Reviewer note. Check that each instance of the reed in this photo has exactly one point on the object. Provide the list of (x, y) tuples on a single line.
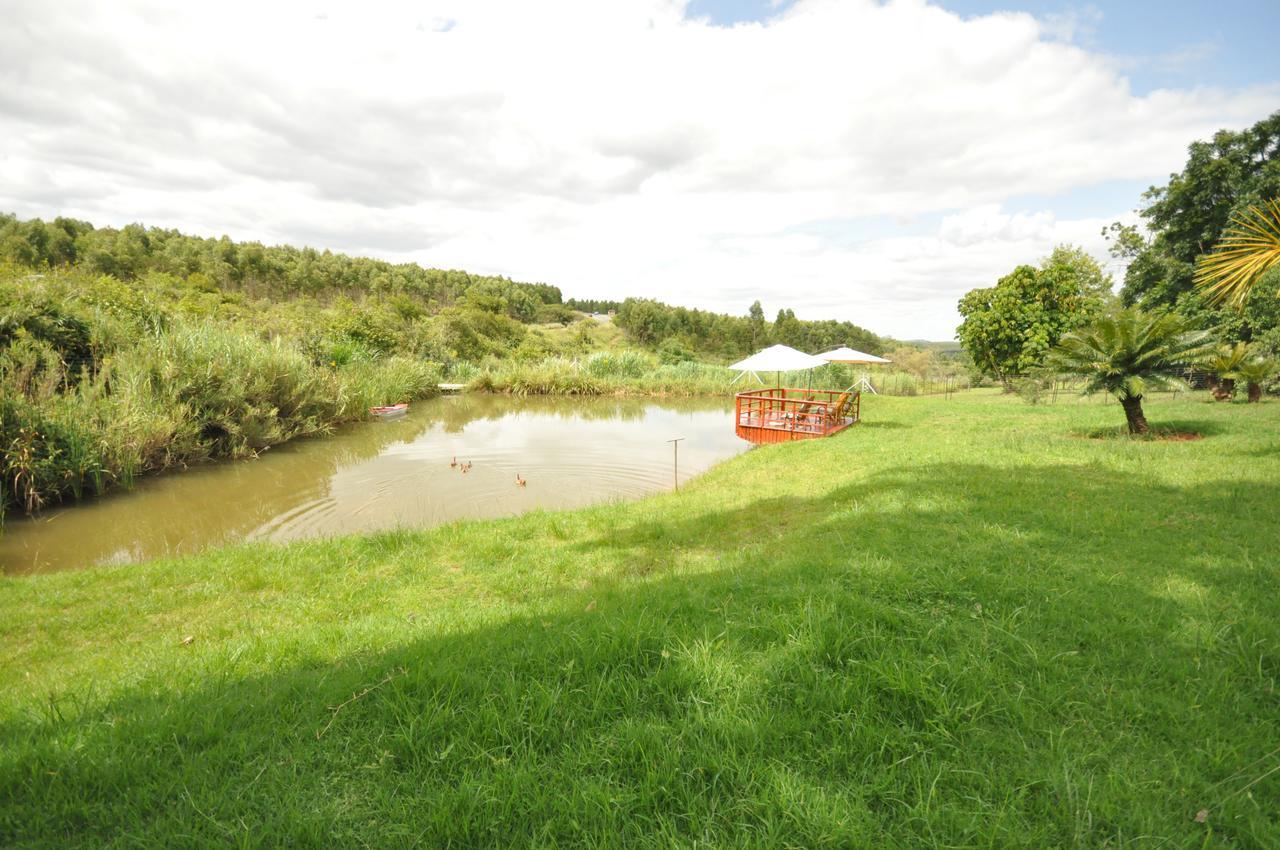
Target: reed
[(186, 394), (604, 373)]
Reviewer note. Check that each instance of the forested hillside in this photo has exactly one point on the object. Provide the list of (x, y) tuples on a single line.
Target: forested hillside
[(394, 304), (673, 330)]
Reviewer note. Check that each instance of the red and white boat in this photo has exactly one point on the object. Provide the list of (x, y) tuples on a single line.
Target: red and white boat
[(390, 411)]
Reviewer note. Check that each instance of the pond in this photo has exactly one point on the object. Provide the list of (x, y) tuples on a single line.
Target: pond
[(380, 475)]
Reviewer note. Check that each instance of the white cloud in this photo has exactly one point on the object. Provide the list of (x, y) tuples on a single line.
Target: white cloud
[(611, 148)]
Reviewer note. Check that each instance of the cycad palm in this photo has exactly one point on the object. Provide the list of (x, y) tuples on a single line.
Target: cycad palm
[(1249, 248), (1225, 362), (1255, 373), (1129, 352)]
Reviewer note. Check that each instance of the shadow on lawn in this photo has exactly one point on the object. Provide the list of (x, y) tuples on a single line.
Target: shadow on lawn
[(1161, 430), (942, 655)]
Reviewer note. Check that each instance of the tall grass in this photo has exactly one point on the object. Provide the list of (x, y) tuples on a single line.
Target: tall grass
[(604, 373), (185, 394), (637, 373)]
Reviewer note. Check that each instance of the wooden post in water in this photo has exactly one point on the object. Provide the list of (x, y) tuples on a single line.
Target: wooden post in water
[(675, 461)]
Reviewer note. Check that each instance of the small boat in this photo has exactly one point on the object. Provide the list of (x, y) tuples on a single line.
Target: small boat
[(390, 411)]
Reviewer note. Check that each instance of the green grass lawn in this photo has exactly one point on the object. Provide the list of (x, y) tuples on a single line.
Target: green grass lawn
[(963, 623)]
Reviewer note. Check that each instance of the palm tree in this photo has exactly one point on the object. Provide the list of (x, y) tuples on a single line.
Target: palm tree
[(1249, 248), (1128, 352), (1224, 362), (1255, 372)]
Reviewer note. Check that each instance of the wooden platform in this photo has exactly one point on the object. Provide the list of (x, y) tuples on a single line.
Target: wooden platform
[(780, 415), (451, 388)]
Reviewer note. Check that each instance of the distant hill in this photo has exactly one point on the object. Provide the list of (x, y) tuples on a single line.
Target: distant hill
[(943, 345)]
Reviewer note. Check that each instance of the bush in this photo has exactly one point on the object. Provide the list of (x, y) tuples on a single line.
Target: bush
[(1033, 388), (673, 351)]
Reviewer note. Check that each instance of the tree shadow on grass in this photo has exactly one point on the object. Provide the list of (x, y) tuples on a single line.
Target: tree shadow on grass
[(1163, 429), (941, 655)]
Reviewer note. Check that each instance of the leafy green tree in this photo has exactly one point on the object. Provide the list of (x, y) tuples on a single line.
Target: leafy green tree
[(1127, 352), (1188, 216), (644, 319), (1008, 328), (1249, 249)]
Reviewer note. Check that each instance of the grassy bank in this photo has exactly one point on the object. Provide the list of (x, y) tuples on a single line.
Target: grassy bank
[(101, 382), (630, 372), (621, 372), (964, 623)]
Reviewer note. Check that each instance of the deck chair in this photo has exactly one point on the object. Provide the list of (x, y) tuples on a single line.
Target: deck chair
[(836, 412)]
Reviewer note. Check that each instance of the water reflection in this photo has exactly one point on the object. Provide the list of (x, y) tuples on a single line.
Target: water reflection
[(381, 475)]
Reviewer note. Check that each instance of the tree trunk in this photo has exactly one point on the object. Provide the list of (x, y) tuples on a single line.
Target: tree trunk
[(1255, 392), (1133, 412)]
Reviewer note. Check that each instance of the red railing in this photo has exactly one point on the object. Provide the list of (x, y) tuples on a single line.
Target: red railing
[(779, 414)]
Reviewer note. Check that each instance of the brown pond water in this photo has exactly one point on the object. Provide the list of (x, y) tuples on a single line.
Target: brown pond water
[(381, 475)]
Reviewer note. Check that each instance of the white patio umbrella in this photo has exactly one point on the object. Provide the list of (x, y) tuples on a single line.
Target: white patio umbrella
[(776, 358), (844, 354)]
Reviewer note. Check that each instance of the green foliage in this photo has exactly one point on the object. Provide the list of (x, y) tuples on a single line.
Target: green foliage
[(1009, 328), (1257, 372), (1034, 388), (605, 373), (364, 328), (375, 307), (617, 364), (1189, 216), (276, 271), (1130, 352), (593, 305), (673, 350), (30, 313), (102, 381), (1222, 177), (470, 333), (727, 338), (556, 313), (1225, 360), (1249, 249), (918, 361)]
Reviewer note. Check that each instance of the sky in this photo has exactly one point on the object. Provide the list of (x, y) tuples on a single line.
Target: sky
[(846, 159)]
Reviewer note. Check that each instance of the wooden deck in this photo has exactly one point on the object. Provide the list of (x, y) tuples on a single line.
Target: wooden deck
[(780, 415)]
